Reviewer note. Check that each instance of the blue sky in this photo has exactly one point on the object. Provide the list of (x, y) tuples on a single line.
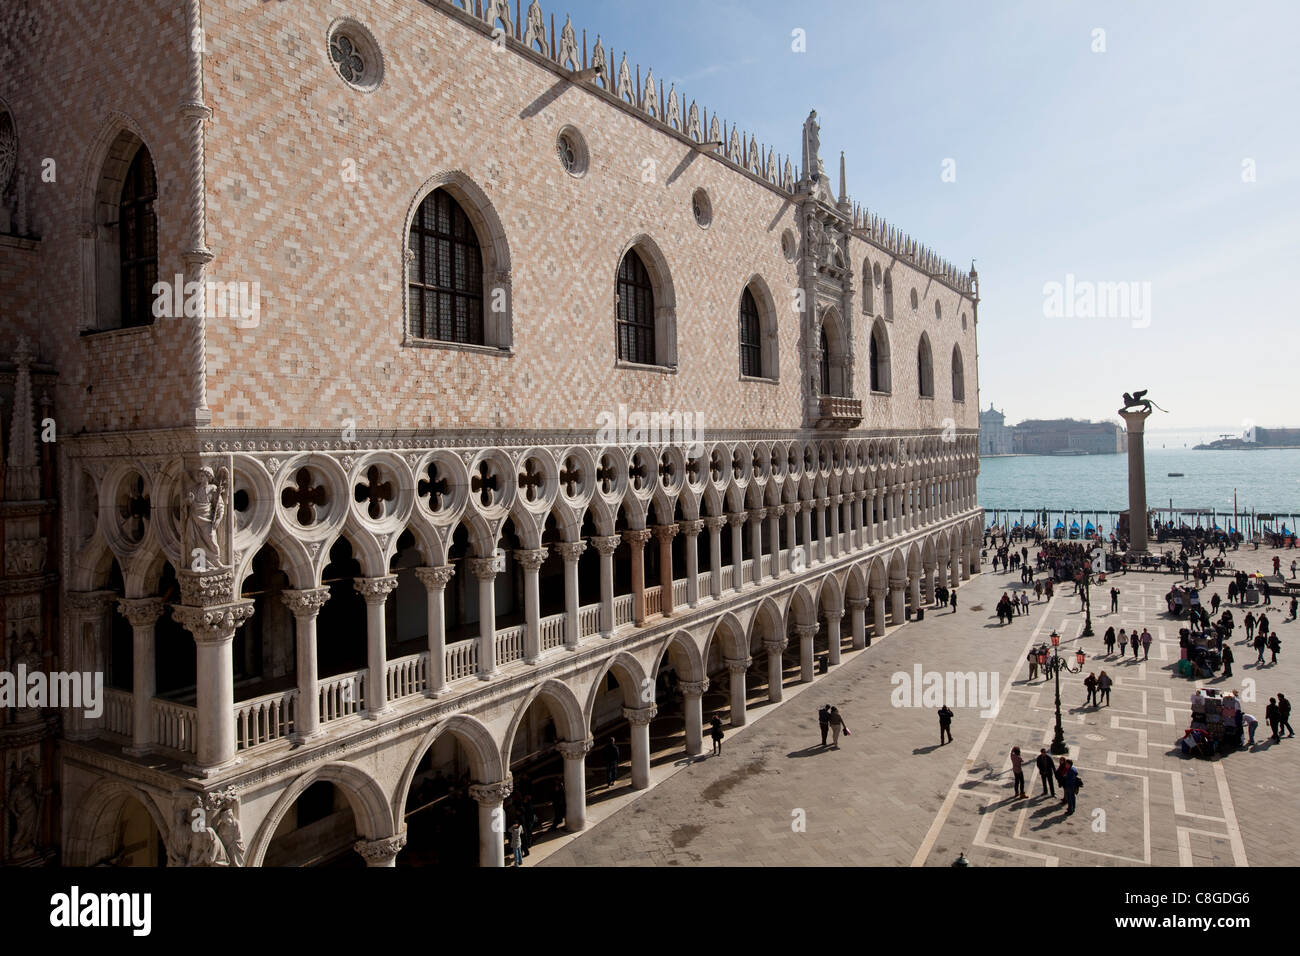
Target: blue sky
[(1117, 166)]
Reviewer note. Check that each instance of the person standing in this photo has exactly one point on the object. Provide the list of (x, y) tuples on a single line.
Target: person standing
[(1293, 566), (1284, 715), (1294, 603), (1024, 602), (945, 725), (1260, 644), (1114, 600), (1274, 645), (1227, 660), (558, 809), (1018, 773), (611, 762), (1090, 685), (1046, 772), (1133, 643), (716, 734), (1146, 644), (1103, 687), (837, 725), (824, 721), (1032, 657), (1271, 714), (1250, 625), (952, 599), (1214, 603), (1070, 784), (528, 817), (1109, 640), (517, 843), (1250, 723)]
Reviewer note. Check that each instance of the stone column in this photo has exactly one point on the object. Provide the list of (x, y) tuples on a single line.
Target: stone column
[(822, 555), (491, 818), (833, 519), (605, 547), (898, 598), (376, 591), (531, 561), (833, 616), (737, 669), (1137, 478), (774, 536), (664, 534), (807, 508), (881, 530), (435, 581), (791, 516), (914, 592), (775, 670), (714, 524), (485, 571), (84, 612), (570, 551), (941, 573), (575, 782), (737, 521), (381, 852), (965, 565), (639, 718), (927, 585), (693, 701), (143, 613), (213, 628), (858, 622), (806, 634), (756, 545), (692, 531), (636, 539), (305, 605), (877, 614)]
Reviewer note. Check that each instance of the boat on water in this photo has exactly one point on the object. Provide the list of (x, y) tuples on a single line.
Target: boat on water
[(1176, 474)]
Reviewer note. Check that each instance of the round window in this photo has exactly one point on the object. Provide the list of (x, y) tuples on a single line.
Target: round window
[(355, 55), (572, 150), (701, 209), (788, 245)]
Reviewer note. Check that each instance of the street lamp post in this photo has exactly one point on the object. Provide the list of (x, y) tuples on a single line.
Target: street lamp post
[(1059, 746)]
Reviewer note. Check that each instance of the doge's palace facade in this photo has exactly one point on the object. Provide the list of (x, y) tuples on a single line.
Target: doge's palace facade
[(436, 391)]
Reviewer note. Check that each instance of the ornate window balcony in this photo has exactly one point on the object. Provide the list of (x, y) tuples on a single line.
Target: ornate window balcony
[(836, 412)]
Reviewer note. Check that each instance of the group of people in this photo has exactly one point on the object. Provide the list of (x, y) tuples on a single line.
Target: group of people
[(831, 722), (1051, 775), (1126, 641), (1011, 605)]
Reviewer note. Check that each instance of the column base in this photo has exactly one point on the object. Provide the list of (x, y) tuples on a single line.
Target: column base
[(139, 751), (301, 739), (208, 772), (489, 675), (376, 714), (435, 694)]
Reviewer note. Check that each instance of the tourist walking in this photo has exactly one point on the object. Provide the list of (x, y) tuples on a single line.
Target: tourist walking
[(1274, 645), (824, 721), (1284, 715), (1271, 715), (1109, 640), (1133, 643), (1103, 687), (837, 725), (611, 762), (1250, 625), (1214, 603), (1038, 590), (1146, 644), (1090, 685), (1070, 783), (1227, 660), (1260, 643), (1018, 773), (716, 734), (1261, 624), (1294, 602), (1046, 772), (1032, 657), (945, 725), (1024, 602), (1293, 567)]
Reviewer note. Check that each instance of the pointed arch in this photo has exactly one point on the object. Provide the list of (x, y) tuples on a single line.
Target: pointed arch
[(833, 346), (758, 331), (924, 368), (878, 358), (646, 311), (958, 376)]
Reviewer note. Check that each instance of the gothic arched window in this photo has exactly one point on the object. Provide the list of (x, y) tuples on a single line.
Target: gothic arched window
[(751, 336), (636, 311), (826, 364), (138, 240), (924, 369), (879, 358), (958, 376), (446, 273)]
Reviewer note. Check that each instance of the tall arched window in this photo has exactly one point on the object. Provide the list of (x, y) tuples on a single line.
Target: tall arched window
[(751, 336), (889, 295), (958, 376), (138, 240), (879, 358), (826, 364), (924, 369), (446, 273), (868, 289), (636, 311)]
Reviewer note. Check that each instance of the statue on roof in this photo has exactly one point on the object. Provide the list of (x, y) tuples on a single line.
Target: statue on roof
[(812, 160)]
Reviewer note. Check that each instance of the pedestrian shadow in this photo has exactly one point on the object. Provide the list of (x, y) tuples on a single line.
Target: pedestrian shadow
[(918, 751), (812, 751), (999, 805)]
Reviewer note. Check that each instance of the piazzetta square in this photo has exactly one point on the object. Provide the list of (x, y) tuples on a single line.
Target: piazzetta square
[(465, 434)]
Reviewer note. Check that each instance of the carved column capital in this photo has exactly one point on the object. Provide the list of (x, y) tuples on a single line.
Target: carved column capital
[(823, 502), (715, 522), (490, 794), (575, 749), (640, 715), (776, 647), (638, 536), (606, 544), (531, 560), (807, 630), (857, 604), (691, 528), (212, 625), (805, 505), (381, 850), (571, 551), (142, 612), (757, 515), (878, 593), (665, 532), (375, 590), (737, 518), (435, 578), (694, 688), (93, 602), (485, 569), (739, 666), (305, 604)]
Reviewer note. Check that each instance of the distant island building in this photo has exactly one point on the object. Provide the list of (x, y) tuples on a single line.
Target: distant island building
[(995, 436), (1255, 438), (1057, 436)]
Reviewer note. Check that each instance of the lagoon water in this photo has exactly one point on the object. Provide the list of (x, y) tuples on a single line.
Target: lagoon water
[(1265, 480)]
